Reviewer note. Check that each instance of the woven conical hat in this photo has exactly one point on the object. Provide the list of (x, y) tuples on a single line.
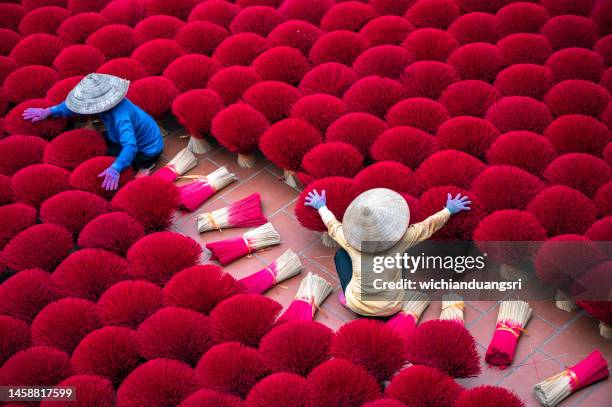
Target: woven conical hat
[(97, 93), (376, 220)]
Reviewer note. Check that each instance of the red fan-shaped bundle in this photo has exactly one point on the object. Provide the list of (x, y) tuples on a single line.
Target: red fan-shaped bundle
[(311, 11), (386, 29), (111, 352), (313, 290), (521, 18), (576, 133), (191, 71), (505, 187), (600, 231), (85, 176), (338, 46), (228, 250), (195, 193), (200, 288), (72, 210), (298, 34), (284, 64), (602, 198), (576, 63), (604, 48), (88, 273), (206, 397), (331, 159), (511, 321), (15, 336), (580, 171), (476, 27), (128, 303), (115, 232), (519, 113), (524, 48), (150, 200), (339, 381), (387, 61), (577, 96), (76, 28), (428, 79), (524, 80), (200, 37), (477, 60), (41, 246), (433, 13), (240, 49), (243, 318), (482, 395), (93, 389), (283, 268), (591, 293), (258, 19), (422, 113), (114, 41), (159, 256), (47, 129), (273, 99), (319, 109), (29, 82), (74, 147), (37, 49), (12, 14), (468, 98), (570, 31), (218, 12), (195, 110), (126, 68), (471, 135), (386, 174), (157, 27), (373, 95), (331, 78), (156, 55), (19, 152), (350, 17), (296, 346), (64, 323), (36, 183), (35, 366), (522, 149), (78, 60), (24, 294), (238, 128), (181, 163), (231, 368), (357, 129), (353, 342), (174, 333), (449, 167), (158, 382), (15, 218), (128, 12), (430, 44), (404, 323), (6, 190), (244, 213), (231, 82), (444, 345), (154, 94), (281, 390)]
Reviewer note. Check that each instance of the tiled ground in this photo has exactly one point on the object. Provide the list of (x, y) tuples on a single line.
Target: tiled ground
[(555, 339)]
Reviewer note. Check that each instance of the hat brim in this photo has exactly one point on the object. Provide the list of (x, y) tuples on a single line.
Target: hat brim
[(117, 92)]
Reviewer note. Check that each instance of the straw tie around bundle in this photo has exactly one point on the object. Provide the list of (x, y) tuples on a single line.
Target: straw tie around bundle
[(554, 390), (241, 214), (228, 250), (313, 290), (511, 321), (195, 193), (179, 165), (405, 321), (452, 308), (283, 268)]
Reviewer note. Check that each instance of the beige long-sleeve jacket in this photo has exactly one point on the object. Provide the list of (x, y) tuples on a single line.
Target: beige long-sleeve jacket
[(392, 304)]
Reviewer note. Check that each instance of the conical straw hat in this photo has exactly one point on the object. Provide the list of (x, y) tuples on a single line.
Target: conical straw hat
[(97, 93), (376, 220)]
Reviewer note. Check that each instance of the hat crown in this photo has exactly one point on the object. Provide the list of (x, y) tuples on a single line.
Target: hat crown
[(96, 93)]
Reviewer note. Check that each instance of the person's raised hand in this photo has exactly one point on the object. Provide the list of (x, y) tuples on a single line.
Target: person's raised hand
[(111, 179), (315, 200), (458, 203), (36, 114)]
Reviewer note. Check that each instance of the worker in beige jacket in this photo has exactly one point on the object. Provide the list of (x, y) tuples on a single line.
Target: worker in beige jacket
[(376, 224)]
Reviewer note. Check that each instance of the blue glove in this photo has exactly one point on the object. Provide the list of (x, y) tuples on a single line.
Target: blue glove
[(111, 179), (315, 200), (457, 204), (36, 114)]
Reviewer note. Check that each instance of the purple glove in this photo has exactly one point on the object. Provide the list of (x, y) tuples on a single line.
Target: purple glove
[(315, 200), (111, 179), (458, 203), (36, 114)]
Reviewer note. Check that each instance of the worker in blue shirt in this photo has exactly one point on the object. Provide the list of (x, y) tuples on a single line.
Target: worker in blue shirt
[(131, 134)]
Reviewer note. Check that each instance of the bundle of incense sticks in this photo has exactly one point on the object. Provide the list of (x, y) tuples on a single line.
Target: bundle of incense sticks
[(195, 193), (511, 321), (452, 308), (313, 290), (198, 145), (404, 323), (241, 214), (554, 390), (179, 165), (283, 268), (228, 250)]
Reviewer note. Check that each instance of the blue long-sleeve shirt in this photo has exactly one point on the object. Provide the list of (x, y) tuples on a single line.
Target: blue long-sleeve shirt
[(128, 125)]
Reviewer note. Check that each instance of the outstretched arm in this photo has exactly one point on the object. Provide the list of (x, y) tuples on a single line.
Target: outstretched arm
[(127, 139), (36, 114), (334, 227)]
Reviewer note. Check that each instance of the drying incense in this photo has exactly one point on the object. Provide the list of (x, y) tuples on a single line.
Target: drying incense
[(198, 145), (179, 165), (405, 322), (195, 193), (313, 290), (283, 268), (228, 250), (511, 321), (554, 390), (452, 308), (241, 214)]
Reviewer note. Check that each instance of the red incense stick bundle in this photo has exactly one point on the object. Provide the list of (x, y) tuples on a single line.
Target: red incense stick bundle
[(511, 321), (452, 308), (554, 390), (404, 323), (241, 214), (228, 250), (179, 165), (194, 194), (313, 290), (283, 268)]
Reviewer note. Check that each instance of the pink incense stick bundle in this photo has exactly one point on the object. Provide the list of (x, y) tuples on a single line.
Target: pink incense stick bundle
[(281, 269), (228, 250), (511, 321), (179, 165), (241, 214), (452, 308), (194, 194), (313, 290), (404, 323), (554, 390)]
